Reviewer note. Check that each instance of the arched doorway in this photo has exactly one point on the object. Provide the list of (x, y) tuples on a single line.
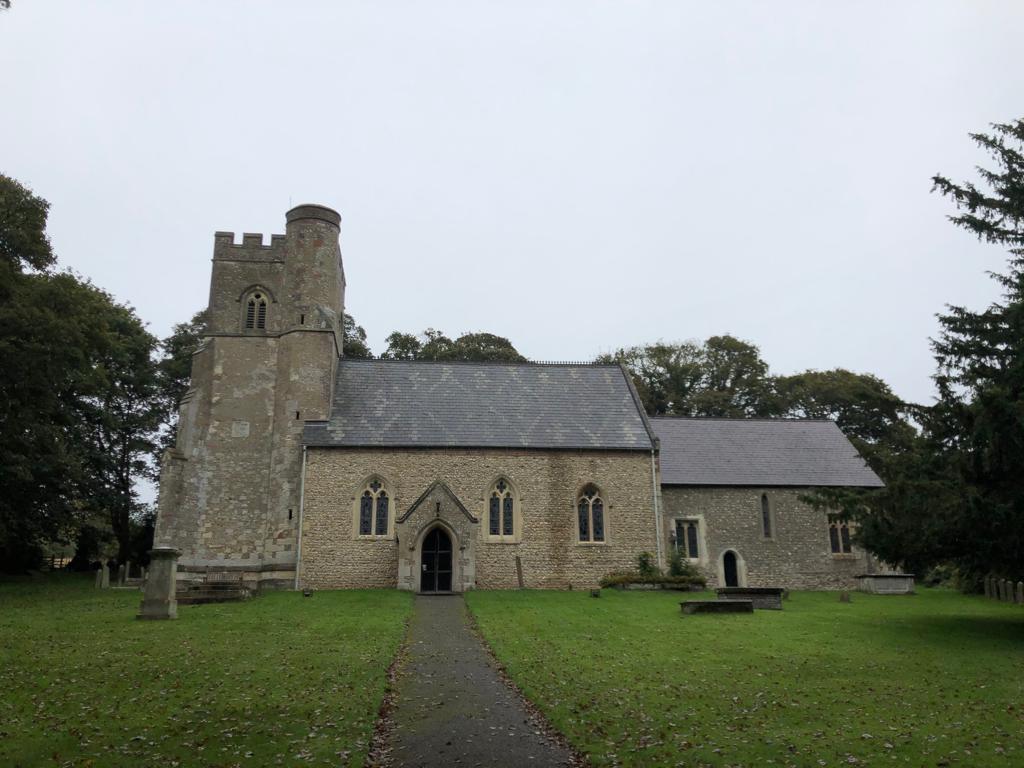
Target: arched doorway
[(731, 569), (436, 562)]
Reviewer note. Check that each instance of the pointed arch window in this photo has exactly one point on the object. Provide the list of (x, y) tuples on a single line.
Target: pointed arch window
[(590, 515), (374, 509), (256, 311), (502, 512), (839, 535)]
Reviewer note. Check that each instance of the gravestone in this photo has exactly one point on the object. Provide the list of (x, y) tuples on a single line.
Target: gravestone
[(120, 575), (160, 598), (127, 570), (1020, 592), (99, 577), (988, 586), (1002, 590), (104, 575), (844, 597)]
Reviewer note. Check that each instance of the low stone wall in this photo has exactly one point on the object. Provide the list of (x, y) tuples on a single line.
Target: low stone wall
[(886, 583)]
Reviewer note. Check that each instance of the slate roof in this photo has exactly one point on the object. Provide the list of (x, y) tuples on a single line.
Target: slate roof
[(399, 403), (759, 452)]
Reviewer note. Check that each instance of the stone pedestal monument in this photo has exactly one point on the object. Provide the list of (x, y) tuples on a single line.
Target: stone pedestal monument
[(159, 601)]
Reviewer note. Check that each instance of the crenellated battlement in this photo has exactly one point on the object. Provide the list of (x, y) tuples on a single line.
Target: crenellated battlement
[(250, 249)]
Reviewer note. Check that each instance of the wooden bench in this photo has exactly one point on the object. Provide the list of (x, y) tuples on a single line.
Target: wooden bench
[(764, 598), (717, 606)]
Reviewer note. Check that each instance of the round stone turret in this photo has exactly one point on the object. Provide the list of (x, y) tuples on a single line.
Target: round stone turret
[(313, 211)]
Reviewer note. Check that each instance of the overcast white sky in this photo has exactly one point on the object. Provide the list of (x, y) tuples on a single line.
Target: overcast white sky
[(576, 176)]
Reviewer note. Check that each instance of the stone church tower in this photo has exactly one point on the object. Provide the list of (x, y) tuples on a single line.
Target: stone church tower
[(230, 487)]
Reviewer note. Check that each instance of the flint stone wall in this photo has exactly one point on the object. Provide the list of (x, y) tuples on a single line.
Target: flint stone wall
[(546, 484), (229, 488), (797, 555)]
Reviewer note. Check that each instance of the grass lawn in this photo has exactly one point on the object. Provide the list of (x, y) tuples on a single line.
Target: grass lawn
[(278, 680), (934, 679)]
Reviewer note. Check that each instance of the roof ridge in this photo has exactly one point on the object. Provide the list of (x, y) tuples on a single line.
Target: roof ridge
[(772, 419), (539, 363)]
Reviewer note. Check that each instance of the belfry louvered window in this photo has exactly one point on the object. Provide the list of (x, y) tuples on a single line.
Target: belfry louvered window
[(501, 511), (256, 311), (590, 514), (766, 516), (374, 509)]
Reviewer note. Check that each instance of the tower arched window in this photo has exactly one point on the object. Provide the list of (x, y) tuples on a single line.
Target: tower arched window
[(590, 515), (256, 311), (374, 509), (501, 511)]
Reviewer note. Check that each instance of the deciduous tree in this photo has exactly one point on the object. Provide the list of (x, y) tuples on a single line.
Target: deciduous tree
[(435, 345), (723, 376)]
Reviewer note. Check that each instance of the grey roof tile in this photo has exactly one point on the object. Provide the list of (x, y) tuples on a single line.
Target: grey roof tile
[(486, 405), (696, 451)]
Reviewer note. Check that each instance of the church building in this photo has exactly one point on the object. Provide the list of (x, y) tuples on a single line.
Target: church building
[(295, 467)]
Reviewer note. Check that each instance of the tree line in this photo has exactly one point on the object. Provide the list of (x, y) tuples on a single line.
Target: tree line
[(82, 400), (89, 399)]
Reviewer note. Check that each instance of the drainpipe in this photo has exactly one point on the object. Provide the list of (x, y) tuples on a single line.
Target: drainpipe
[(657, 508), (302, 505)]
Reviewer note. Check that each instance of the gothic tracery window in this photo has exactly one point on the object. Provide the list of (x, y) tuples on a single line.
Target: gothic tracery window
[(590, 514), (256, 311), (374, 510), (501, 511), (839, 535)]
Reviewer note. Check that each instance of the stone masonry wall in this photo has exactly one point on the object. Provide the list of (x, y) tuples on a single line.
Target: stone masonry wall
[(229, 494), (797, 556), (546, 482)]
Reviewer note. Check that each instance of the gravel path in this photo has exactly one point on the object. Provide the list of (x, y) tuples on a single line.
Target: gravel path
[(451, 706)]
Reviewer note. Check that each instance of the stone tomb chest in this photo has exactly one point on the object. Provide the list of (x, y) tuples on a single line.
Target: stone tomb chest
[(886, 583), (764, 598)]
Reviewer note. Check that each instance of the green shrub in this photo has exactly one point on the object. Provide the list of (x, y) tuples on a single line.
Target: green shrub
[(680, 566), (646, 566), (621, 579), (681, 573)]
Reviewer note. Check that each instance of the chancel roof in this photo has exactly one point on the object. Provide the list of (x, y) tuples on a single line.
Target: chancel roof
[(400, 403), (758, 452)]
